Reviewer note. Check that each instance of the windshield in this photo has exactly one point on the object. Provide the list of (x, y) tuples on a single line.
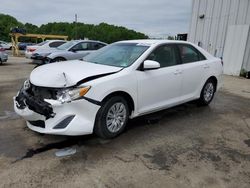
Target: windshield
[(66, 45), (119, 54), (42, 43)]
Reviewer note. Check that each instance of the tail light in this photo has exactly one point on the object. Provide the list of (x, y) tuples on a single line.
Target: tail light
[(2, 49), (31, 49)]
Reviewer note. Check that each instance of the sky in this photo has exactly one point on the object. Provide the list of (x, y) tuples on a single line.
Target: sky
[(156, 18)]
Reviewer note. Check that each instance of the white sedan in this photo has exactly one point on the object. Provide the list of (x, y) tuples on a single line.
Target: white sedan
[(124, 80), (71, 50), (5, 45), (45, 45)]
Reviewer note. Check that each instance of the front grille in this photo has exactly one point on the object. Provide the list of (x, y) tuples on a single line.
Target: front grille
[(33, 98)]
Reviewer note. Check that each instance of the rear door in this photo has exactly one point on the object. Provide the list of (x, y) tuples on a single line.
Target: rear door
[(195, 69), (161, 87)]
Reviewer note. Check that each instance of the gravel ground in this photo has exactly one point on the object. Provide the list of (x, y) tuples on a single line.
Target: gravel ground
[(185, 146)]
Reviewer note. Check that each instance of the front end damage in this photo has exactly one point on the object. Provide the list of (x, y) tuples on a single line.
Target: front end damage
[(45, 113)]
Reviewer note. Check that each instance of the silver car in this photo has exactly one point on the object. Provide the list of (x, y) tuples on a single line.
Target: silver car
[(3, 55), (75, 49)]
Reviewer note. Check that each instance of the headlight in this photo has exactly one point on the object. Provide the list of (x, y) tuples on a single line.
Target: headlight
[(69, 95)]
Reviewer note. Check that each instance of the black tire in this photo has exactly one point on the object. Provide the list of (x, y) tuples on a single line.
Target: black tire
[(1, 62), (101, 128), (58, 59), (207, 93)]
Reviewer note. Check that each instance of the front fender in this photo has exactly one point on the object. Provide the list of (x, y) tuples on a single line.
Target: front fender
[(118, 82)]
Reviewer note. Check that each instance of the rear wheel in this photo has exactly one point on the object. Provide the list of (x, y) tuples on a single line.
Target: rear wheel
[(207, 92), (112, 117)]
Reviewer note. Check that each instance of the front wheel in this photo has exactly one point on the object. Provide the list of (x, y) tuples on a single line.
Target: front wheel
[(58, 59), (112, 118), (207, 93)]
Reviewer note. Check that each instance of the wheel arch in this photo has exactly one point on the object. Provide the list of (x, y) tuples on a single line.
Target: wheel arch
[(57, 57), (214, 79), (123, 94)]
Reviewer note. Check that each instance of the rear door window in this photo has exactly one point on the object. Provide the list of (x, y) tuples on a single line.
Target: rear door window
[(56, 44), (97, 45), (189, 54)]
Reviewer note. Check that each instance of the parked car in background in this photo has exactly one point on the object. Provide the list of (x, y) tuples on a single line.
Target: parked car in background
[(5, 45), (120, 81), (3, 55), (48, 44), (75, 49), (23, 45)]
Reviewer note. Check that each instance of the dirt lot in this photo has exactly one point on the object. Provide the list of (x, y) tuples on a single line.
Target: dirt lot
[(186, 146)]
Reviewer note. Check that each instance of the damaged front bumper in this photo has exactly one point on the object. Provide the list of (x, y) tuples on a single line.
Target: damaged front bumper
[(50, 116)]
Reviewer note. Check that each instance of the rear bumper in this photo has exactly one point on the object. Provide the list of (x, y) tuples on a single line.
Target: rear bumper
[(28, 54), (219, 82), (75, 118)]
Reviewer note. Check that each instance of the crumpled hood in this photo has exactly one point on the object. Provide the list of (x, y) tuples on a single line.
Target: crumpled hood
[(67, 74)]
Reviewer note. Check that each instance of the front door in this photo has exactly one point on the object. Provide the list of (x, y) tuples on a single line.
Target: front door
[(79, 51), (160, 88)]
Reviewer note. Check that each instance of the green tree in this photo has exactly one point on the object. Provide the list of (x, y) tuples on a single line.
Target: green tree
[(103, 32), (6, 23)]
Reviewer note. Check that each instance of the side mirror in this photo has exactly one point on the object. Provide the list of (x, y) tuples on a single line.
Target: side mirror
[(73, 50), (150, 65)]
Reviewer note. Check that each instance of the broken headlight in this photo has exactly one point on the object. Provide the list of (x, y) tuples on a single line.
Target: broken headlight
[(26, 85), (69, 95)]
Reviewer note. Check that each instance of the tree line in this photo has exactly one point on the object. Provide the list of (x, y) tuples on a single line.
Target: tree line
[(103, 31)]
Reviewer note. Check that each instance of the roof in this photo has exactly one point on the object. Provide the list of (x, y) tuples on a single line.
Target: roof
[(81, 40), (152, 41)]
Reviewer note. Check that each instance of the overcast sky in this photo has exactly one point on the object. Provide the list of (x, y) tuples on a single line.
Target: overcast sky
[(153, 17)]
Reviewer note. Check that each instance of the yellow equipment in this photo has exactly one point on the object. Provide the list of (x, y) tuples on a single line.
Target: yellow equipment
[(15, 37)]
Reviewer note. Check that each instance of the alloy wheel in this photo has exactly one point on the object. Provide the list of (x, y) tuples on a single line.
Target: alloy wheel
[(116, 117)]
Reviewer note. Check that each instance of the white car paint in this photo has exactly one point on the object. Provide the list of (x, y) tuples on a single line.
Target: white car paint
[(150, 90), (30, 50), (5, 45), (3, 55), (65, 76), (69, 54), (65, 51)]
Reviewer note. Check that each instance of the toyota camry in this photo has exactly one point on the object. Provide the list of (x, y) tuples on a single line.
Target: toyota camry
[(121, 81)]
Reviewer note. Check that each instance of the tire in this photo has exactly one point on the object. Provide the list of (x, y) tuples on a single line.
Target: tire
[(207, 93), (112, 118), (58, 59)]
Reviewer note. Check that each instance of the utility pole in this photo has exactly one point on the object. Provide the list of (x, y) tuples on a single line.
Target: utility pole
[(76, 26)]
